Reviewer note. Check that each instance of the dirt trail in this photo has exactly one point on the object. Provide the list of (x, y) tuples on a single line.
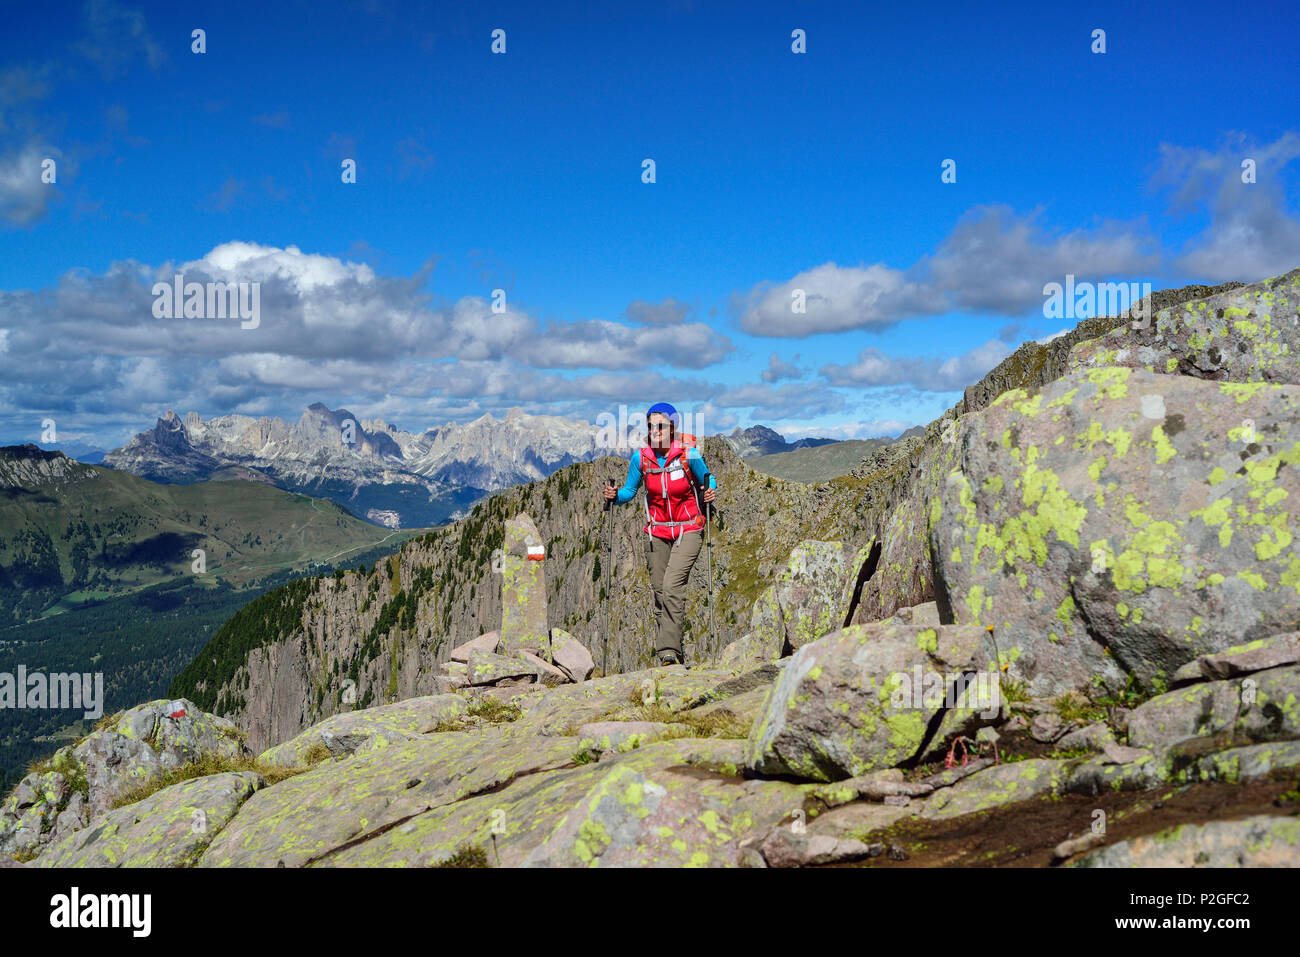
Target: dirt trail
[(1024, 834)]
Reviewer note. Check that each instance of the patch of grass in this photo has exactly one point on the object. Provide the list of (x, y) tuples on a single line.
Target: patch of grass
[(480, 711), (471, 855), (107, 722), (1013, 692), (1066, 753), (1130, 697), (210, 764), (1077, 708), (315, 754)]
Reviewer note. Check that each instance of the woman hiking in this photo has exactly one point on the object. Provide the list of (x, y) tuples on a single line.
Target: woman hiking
[(677, 484)]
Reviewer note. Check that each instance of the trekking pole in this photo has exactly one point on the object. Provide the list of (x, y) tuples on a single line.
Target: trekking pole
[(708, 565), (609, 548)]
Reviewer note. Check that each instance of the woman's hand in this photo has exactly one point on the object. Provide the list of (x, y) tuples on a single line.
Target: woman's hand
[(709, 494), (610, 491)]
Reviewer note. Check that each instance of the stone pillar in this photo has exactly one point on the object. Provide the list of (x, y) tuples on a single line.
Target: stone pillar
[(523, 590)]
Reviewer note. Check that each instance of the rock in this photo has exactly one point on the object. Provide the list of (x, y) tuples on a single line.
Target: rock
[(1241, 660), (487, 668), (950, 776), (1094, 737), (783, 848), (844, 704), (876, 786), (170, 828), (1046, 727), (1102, 775), (925, 614), (571, 655), (1259, 841), (315, 814), (548, 673), (621, 735), (342, 734), (744, 708), (1249, 763), (908, 473), (1076, 845), (446, 684), (1015, 723), (1118, 754), (629, 820), (523, 589), (136, 746), (805, 603), (747, 652), (1258, 707), (486, 642), (1070, 514), (996, 786), (1247, 334)]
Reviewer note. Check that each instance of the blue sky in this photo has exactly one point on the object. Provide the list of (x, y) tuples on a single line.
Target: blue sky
[(522, 171)]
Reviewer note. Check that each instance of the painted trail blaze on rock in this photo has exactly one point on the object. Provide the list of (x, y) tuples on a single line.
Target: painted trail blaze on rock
[(1098, 540), (834, 714), (523, 584)]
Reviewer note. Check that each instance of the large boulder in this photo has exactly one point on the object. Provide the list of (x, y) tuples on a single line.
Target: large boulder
[(1121, 521), (1263, 706), (170, 828), (630, 820), (862, 698), (805, 602), (83, 781)]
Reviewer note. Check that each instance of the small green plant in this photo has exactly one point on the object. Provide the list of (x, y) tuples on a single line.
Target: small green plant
[(1131, 696), (1077, 708), (471, 855), (1066, 753)]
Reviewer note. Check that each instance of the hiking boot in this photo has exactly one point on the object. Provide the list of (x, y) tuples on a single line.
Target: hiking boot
[(669, 658)]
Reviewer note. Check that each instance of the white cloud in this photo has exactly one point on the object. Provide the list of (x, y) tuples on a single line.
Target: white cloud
[(778, 369), (993, 261), (24, 199), (874, 368), (1251, 236)]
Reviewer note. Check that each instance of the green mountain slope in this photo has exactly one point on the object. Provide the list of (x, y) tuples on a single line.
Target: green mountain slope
[(818, 464), (71, 532)]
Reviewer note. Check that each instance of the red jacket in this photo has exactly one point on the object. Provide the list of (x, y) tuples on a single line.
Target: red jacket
[(672, 508)]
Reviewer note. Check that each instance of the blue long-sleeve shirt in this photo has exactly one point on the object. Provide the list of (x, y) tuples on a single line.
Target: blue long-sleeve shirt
[(634, 476)]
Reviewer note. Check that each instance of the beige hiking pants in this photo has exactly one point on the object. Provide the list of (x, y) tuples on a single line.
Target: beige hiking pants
[(670, 565)]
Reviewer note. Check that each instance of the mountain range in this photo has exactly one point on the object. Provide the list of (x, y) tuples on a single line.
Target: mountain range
[(378, 471), (375, 470)]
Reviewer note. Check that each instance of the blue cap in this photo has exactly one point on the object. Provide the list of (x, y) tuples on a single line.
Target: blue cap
[(665, 409)]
